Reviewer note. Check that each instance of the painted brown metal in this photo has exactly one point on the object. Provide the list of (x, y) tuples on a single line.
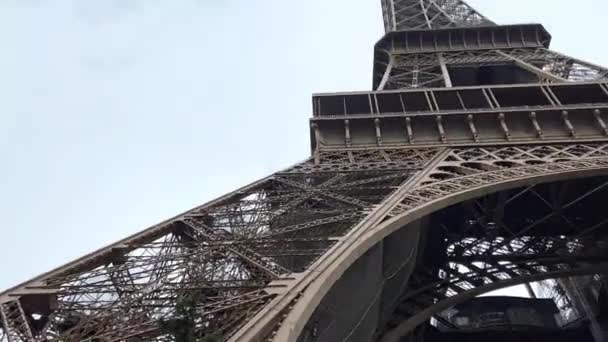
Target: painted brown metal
[(447, 123)]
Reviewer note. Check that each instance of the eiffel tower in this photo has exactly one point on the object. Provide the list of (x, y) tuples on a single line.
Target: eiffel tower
[(478, 162)]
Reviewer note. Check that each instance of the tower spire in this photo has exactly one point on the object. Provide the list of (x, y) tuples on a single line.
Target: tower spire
[(429, 14)]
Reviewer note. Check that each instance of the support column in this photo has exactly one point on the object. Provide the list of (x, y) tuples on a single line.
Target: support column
[(444, 70), (387, 73)]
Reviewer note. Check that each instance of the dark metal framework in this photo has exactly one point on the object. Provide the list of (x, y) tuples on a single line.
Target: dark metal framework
[(429, 14), (478, 144), (533, 233), (425, 70), (232, 249)]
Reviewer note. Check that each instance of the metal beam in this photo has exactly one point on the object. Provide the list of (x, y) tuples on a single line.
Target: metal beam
[(542, 74), (444, 69), (387, 73)]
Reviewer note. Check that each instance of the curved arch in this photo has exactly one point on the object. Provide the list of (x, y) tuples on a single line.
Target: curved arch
[(427, 313), (485, 183)]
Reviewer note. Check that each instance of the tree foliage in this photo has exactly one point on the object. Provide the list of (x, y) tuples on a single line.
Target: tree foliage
[(187, 324)]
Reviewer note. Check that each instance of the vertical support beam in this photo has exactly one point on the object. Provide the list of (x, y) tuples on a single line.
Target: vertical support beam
[(539, 131), (441, 129), (388, 13), (504, 126), (393, 15), (409, 131), (348, 140), (318, 139), (444, 70), (387, 73), (378, 132), (472, 128), (568, 124), (598, 117)]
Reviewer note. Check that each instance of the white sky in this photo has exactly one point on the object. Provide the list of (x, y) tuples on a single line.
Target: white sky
[(117, 114)]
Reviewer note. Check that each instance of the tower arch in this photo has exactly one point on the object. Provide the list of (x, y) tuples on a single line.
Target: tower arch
[(416, 219)]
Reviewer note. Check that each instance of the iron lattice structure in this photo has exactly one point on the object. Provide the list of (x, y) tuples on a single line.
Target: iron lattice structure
[(429, 14), (478, 162)]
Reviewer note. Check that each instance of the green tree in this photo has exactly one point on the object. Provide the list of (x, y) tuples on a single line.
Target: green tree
[(187, 323)]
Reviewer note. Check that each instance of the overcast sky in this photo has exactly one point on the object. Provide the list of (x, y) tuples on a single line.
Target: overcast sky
[(117, 114)]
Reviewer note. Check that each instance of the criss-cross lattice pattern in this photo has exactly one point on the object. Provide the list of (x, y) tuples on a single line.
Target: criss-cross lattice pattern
[(254, 254), (15, 325), (544, 231), (415, 71), (467, 168), (429, 14), (465, 250), (419, 70), (234, 250), (366, 160), (230, 251), (470, 161)]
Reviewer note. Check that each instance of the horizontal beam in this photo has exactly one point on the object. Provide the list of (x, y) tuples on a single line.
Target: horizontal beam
[(527, 113), (557, 124), (465, 38), (518, 259), (471, 98)]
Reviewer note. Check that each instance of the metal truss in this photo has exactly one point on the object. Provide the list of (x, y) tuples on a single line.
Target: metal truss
[(264, 257), (429, 14), (15, 325), (241, 250), (504, 164), (471, 161), (470, 168), (232, 251), (377, 159), (432, 70), (413, 71), (537, 232)]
